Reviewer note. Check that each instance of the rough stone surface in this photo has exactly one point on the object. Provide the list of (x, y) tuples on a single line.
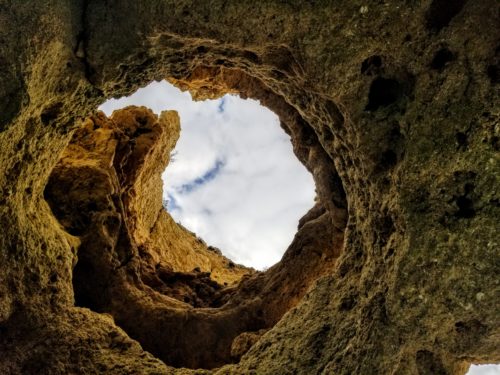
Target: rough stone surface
[(152, 275), (391, 105)]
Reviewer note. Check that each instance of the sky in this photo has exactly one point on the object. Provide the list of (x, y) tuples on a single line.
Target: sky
[(233, 178), (484, 370)]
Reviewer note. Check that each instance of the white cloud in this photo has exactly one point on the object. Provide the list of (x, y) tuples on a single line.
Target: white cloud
[(484, 370), (234, 180)]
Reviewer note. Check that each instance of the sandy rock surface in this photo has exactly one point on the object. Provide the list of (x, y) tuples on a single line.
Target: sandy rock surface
[(391, 105)]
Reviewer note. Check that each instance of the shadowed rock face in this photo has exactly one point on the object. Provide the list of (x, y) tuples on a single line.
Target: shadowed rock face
[(393, 108)]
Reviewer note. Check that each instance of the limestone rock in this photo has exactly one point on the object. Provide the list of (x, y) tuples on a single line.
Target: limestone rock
[(393, 108)]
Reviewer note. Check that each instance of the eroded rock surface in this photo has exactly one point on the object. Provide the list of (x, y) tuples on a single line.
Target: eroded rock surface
[(160, 282), (109, 177), (392, 106)]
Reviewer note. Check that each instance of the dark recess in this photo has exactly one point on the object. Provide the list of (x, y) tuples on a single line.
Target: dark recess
[(495, 143), (371, 65), (82, 273), (383, 92), (249, 55), (493, 72), (50, 113), (388, 160), (465, 204), (429, 364), (441, 12), (469, 331), (385, 228), (462, 141), (442, 58), (347, 303), (465, 208)]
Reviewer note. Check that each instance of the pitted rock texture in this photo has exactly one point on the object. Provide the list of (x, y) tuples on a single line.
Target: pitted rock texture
[(150, 274), (392, 106), (112, 169)]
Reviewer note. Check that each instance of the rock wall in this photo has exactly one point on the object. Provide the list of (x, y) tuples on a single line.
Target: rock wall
[(151, 274), (392, 106)]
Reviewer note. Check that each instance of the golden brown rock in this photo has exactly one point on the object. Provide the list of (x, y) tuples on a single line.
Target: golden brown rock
[(134, 261), (392, 106), (122, 159)]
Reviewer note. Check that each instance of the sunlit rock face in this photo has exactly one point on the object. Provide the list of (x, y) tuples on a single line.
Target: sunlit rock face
[(392, 107), (233, 178), (120, 160)]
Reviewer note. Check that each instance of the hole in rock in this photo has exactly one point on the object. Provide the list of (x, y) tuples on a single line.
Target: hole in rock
[(442, 58), (383, 92), (232, 177), (465, 208), (181, 299)]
